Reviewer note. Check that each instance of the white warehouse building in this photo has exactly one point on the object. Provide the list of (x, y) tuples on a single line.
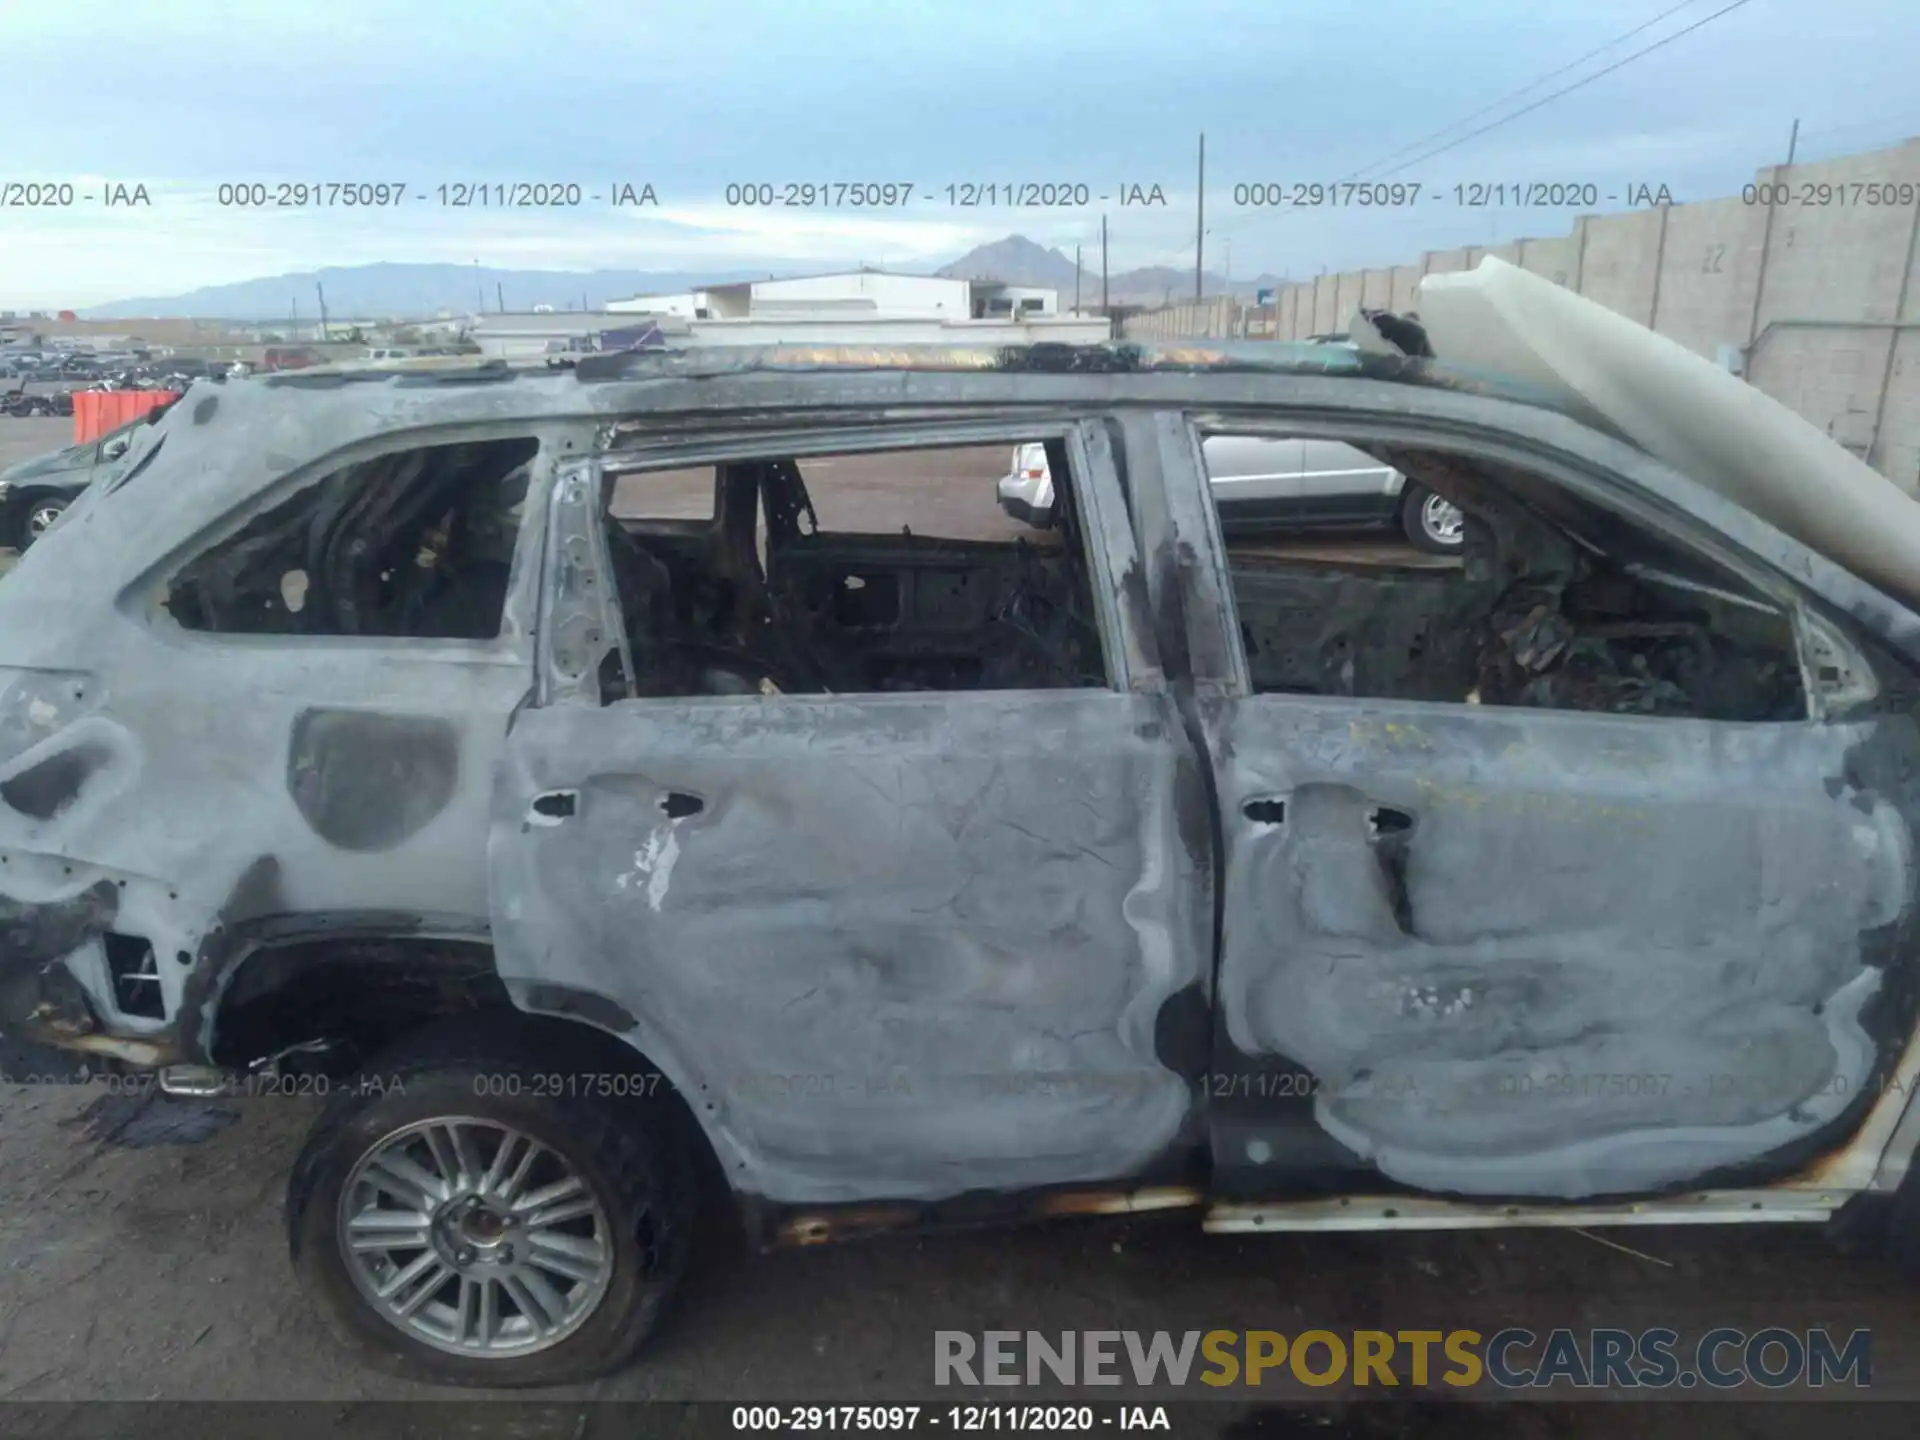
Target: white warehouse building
[(862, 307)]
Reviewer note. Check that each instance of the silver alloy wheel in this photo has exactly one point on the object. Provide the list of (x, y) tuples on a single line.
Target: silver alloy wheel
[(1442, 521), (40, 519), (474, 1238)]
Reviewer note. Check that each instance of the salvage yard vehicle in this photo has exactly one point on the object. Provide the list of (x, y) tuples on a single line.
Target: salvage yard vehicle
[(35, 493), (1264, 485), (598, 854), (20, 402)]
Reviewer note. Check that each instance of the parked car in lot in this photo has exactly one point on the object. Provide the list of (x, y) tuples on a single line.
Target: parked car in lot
[(18, 402), (1262, 485), (289, 357), (22, 402), (890, 880), (35, 493)]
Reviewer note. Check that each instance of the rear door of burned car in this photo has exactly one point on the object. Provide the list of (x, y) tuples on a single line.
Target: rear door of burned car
[(1518, 944), (900, 945)]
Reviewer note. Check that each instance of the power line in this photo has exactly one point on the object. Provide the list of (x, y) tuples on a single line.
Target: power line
[(1525, 109), (1565, 89), (1516, 94), (1515, 115)]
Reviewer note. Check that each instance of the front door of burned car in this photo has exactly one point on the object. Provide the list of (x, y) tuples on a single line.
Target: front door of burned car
[(1540, 878), (908, 935)]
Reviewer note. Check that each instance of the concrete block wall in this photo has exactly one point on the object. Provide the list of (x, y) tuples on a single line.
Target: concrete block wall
[(1709, 267), (1557, 258), (1405, 279), (1816, 300)]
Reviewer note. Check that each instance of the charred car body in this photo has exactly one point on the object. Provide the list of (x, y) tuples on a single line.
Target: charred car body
[(910, 879)]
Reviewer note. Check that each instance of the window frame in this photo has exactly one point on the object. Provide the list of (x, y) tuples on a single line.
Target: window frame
[(1095, 474), (142, 601), (1582, 476)]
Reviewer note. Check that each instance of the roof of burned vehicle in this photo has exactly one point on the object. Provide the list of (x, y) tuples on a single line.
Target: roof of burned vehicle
[(227, 441), (1250, 358)]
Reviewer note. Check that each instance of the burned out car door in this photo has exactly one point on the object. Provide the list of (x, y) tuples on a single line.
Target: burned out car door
[(901, 945), (1595, 882)]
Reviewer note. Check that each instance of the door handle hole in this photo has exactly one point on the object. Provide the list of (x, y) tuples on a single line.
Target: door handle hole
[(677, 804), (1384, 820), (1265, 812), (556, 804)]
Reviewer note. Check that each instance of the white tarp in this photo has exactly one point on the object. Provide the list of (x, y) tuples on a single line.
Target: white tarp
[(1709, 425)]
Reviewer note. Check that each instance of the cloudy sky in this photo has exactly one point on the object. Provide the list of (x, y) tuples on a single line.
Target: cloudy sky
[(185, 95)]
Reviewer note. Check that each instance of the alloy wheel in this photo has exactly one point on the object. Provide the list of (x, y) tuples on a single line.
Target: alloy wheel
[(475, 1238), (40, 519), (1442, 521)]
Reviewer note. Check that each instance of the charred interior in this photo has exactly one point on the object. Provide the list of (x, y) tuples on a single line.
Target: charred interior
[(1550, 607), (1552, 604), (412, 543), (762, 599)]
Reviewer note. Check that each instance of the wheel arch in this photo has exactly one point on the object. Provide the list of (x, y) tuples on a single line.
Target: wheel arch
[(310, 988)]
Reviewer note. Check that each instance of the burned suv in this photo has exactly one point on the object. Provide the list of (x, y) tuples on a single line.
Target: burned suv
[(546, 758)]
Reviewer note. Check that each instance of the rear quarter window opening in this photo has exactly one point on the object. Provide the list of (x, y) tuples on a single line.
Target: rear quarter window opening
[(1554, 603), (857, 572), (412, 543)]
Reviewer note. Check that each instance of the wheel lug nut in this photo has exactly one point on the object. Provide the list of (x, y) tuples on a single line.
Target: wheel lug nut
[(465, 1257)]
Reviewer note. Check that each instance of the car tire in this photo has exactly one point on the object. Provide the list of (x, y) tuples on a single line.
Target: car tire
[(1431, 523), (37, 514), (627, 1155)]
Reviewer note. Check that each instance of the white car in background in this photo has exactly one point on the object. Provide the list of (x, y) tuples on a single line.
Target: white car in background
[(1262, 484)]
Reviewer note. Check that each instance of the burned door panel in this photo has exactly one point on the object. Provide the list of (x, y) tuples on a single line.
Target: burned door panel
[(893, 946), (1555, 955)]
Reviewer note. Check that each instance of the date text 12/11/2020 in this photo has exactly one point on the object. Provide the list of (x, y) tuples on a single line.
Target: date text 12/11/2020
[(1472, 194), (1252, 196), (448, 195), (962, 1419)]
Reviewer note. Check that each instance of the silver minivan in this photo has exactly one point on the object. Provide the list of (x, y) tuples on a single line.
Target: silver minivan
[(1261, 484)]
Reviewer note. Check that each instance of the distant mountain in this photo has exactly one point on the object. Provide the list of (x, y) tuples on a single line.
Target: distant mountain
[(1017, 260), (409, 291), (417, 291)]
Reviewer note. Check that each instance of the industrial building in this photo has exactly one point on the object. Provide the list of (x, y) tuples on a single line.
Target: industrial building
[(866, 307), (531, 334)]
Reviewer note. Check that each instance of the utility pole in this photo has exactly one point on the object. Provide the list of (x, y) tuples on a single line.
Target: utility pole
[(1228, 283), (1766, 249), (1076, 279), (1200, 219), (500, 294), (479, 295), (1105, 308), (322, 294)]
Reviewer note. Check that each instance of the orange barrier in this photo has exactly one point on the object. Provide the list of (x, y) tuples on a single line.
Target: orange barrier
[(95, 412)]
